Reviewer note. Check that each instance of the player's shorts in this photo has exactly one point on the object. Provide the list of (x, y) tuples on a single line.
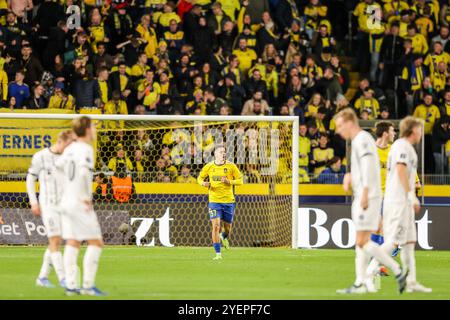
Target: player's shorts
[(224, 211), (51, 218), (369, 219), (79, 223), (399, 223)]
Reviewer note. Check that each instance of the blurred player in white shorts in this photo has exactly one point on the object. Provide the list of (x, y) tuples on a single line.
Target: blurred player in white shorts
[(400, 201), (48, 206), (79, 221), (364, 177)]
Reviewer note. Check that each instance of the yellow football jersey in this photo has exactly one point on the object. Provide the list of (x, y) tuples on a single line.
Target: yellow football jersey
[(220, 192), (383, 155)]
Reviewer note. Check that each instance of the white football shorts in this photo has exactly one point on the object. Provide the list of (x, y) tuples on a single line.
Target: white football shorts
[(51, 218), (369, 219), (80, 223), (399, 223)]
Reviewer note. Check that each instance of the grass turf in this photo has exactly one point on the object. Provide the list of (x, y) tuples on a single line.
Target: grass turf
[(244, 273)]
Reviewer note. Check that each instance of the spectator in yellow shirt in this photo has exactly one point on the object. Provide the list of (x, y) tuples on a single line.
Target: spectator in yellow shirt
[(419, 43), (185, 176), (304, 147), (230, 7), (425, 23), (3, 83), (368, 103), (438, 55), (168, 14), (245, 56), (149, 92), (428, 112), (115, 106), (120, 163), (103, 85), (439, 77), (148, 34), (59, 99), (445, 109), (392, 9), (139, 68), (321, 155)]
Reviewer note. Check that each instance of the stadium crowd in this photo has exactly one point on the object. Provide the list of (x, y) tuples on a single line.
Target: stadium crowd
[(231, 57)]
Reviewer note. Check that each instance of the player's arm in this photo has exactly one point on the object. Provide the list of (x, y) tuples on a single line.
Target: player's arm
[(32, 177), (402, 172), (403, 176), (367, 159), (238, 178), (347, 182), (85, 174), (203, 175), (401, 159)]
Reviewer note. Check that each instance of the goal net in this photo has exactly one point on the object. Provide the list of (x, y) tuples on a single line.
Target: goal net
[(162, 156)]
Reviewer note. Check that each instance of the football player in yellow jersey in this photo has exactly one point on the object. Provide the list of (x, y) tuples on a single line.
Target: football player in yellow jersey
[(385, 134), (223, 176)]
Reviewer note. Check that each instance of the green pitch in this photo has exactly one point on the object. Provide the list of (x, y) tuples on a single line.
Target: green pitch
[(244, 273)]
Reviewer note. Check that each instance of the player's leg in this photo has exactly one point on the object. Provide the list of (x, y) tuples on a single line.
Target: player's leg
[(361, 257), (215, 216), (70, 258), (366, 222), (227, 219), (377, 236), (52, 257), (408, 258), (392, 226), (57, 258), (90, 267), (225, 234), (46, 267), (88, 229), (383, 257), (71, 251), (215, 235)]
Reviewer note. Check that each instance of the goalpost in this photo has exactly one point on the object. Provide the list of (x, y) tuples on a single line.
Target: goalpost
[(162, 155)]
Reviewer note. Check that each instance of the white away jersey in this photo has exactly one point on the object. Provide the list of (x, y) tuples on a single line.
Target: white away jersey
[(50, 178), (365, 165), (401, 152), (77, 162)]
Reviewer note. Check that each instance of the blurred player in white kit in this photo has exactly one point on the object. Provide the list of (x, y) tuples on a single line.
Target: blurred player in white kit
[(400, 201), (79, 221), (366, 185), (48, 206)]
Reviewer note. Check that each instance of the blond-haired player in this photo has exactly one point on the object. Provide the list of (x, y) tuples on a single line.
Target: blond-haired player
[(223, 175), (80, 221), (364, 178), (48, 205), (400, 201)]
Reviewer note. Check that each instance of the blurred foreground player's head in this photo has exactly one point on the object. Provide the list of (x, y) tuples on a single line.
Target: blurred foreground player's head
[(347, 125), (84, 129), (411, 129)]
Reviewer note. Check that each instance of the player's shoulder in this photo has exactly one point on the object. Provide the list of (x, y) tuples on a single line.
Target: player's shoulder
[(209, 164), (80, 146), (231, 164), (364, 139), (41, 153), (399, 143)]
